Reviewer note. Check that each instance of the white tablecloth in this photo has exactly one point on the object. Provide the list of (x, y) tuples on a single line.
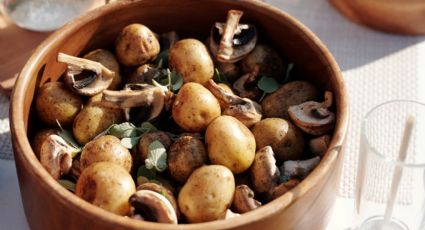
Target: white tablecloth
[(377, 67)]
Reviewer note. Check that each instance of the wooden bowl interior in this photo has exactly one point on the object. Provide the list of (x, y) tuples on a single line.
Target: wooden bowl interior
[(190, 18)]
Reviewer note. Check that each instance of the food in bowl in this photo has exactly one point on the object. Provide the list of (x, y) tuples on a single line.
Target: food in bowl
[(193, 140)]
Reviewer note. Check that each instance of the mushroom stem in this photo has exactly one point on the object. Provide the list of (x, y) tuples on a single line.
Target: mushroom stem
[(244, 109), (299, 169), (89, 85), (225, 49), (243, 200)]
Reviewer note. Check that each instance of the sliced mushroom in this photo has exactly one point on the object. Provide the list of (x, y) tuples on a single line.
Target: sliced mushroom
[(84, 76), (230, 214), (144, 74), (163, 191), (136, 95), (152, 206), (264, 173), (299, 169), (230, 42), (56, 156), (246, 86), (243, 200), (283, 188), (319, 145), (313, 117), (243, 109)]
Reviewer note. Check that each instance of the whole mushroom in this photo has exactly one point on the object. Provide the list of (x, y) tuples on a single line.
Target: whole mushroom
[(264, 60), (243, 200), (264, 172)]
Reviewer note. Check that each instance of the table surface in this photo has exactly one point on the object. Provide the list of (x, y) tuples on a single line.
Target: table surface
[(376, 66)]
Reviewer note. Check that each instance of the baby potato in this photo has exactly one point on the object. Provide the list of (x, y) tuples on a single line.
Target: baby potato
[(105, 148), (93, 119), (230, 143), (186, 154), (148, 138), (106, 185), (136, 45), (191, 59), (292, 93), (207, 194), (195, 107), (285, 138), (107, 59), (55, 101)]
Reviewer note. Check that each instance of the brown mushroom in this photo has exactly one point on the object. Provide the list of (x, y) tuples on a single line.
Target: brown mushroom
[(264, 173), (230, 42), (56, 156), (84, 76), (299, 169), (243, 200), (319, 145), (136, 95), (313, 117), (143, 74), (283, 188), (163, 191), (243, 109), (151, 206), (230, 70), (246, 86)]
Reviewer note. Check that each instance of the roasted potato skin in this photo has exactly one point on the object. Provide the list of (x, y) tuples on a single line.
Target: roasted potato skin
[(147, 139), (186, 154), (207, 194), (292, 93), (286, 139), (230, 143), (191, 59), (93, 119), (55, 101), (264, 60), (105, 148), (195, 107), (107, 59)]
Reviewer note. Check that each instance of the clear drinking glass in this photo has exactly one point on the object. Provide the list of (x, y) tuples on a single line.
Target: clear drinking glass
[(45, 15), (381, 169)]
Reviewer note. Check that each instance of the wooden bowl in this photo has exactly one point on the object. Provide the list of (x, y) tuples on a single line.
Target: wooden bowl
[(50, 206)]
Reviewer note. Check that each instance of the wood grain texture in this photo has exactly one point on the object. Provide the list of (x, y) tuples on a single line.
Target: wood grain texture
[(50, 206), (393, 16)]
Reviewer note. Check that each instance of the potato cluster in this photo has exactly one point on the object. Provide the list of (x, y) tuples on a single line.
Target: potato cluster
[(176, 130)]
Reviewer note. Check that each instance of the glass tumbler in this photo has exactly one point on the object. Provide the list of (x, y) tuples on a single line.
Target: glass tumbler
[(45, 15), (390, 190)]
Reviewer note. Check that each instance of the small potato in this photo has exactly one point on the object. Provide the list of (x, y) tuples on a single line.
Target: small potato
[(107, 59), (207, 194), (195, 107), (94, 119), (292, 93), (186, 154), (55, 101), (105, 148), (148, 138), (106, 185), (39, 138), (136, 45), (190, 59), (285, 138), (230, 143)]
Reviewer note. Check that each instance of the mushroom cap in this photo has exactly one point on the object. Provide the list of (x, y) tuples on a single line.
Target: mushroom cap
[(153, 207), (264, 173), (56, 156), (243, 200), (312, 118)]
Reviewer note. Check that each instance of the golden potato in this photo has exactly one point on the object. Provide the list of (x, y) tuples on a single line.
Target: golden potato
[(93, 119), (105, 148), (230, 143), (107, 59), (195, 107), (106, 185), (55, 101), (136, 45), (286, 139), (191, 59), (207, 194)]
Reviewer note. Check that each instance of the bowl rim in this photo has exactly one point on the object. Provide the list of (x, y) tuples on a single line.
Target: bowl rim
[(26, 154)]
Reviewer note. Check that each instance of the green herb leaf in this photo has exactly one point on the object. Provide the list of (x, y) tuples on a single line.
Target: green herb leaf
[(157, 157), (268, 84), (147, 127), (130, 142), (162, 59), (288, 72), (123, 130), (67, 184), (157, 84), (69, 139), (176, 81), (219, 77)]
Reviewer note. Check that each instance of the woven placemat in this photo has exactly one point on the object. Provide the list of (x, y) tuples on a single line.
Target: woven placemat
[(5, 143)]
